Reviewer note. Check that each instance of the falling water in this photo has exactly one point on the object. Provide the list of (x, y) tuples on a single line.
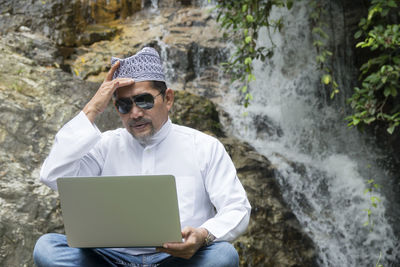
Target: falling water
[(322, 165)]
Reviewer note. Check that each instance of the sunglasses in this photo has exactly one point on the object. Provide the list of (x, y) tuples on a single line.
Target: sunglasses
[(144, 101)]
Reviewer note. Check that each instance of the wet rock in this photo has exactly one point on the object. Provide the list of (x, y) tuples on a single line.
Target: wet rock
[(34, 46), (37, 98), (65, 22), (266, 127), (194, 111), (96, 33)]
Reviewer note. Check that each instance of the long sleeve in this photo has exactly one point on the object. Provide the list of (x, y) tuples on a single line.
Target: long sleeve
[(71, 153), (227, 195)]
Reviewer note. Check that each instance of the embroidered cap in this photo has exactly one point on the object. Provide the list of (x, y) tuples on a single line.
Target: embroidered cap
[(144, 66)]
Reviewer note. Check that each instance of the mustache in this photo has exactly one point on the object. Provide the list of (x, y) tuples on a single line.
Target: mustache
[(135, 122)]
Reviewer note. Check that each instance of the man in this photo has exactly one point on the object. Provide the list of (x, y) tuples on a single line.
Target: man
[(213, 205)]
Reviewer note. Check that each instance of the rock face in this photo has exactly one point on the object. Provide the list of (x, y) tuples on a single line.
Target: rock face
[(41, 88), (65, 22)]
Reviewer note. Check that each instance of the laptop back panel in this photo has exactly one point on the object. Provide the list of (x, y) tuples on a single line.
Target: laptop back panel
[(120, 211)]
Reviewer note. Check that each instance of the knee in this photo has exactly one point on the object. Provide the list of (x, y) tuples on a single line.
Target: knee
[(227, 254), (44, 250)]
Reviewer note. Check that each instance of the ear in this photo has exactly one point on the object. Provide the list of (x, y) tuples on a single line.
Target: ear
[(169, 98)]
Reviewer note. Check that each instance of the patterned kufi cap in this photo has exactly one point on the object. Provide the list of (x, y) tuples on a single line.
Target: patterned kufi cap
[(144, 66)]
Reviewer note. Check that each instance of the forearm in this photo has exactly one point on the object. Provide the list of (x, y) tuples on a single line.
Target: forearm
[(229, 224)]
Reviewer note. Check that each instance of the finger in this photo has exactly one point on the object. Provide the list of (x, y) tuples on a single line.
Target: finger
[(115, 86), (124, 81), (175, 246), (111, 71), (186, 231), (108, 88)]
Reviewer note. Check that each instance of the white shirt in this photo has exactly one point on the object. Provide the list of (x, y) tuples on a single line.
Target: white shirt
[(210, 194)]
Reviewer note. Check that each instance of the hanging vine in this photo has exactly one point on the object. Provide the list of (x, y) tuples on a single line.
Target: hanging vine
[(321, 43), (243, 21)]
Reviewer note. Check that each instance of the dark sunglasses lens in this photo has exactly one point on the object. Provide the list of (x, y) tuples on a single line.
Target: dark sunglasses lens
[(124, 105), (145, 101)]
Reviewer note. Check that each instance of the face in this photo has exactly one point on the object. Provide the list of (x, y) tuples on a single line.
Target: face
[(142, 124)]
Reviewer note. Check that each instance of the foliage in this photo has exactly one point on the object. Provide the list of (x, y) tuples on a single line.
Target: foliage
[(375, 99), (379, 259), (374, 200), (243, 21), (321, 39)]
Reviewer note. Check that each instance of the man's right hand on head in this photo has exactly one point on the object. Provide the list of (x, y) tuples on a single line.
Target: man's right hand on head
[(100, 100)]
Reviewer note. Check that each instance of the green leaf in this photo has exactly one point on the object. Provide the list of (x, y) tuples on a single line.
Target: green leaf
[(392, 3), (387, 91), (244, 8), (390, 130), (357, 34), (244, 89), (247, 61), (360, 44), (326, 79), (369, 120), (249, 18), (370, 181), (320, 59), (375, 199), (371, 12), (251, 77), (247, 39), (318, 43), (393, 92)]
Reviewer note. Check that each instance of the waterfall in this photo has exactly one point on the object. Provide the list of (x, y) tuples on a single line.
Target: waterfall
[(322, 165)]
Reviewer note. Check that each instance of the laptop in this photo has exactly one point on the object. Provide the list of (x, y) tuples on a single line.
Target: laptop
[(120, 211)]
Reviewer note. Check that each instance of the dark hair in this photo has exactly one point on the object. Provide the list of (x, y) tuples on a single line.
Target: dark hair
[(160, 86)]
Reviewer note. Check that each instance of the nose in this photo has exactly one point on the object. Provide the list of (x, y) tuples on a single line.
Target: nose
[(136, 112)]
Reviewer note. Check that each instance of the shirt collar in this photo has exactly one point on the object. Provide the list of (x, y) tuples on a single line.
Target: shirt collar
[(159, 136)]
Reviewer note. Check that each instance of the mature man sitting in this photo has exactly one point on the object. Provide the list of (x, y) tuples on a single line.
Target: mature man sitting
[(213, 205)]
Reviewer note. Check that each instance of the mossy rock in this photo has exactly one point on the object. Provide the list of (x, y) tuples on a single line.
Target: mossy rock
[(196, 112)]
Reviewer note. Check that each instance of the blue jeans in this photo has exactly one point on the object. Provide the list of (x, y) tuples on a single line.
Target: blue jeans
[(52, 250)]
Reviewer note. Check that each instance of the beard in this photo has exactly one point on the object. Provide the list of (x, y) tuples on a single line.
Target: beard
[(142, 137)]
